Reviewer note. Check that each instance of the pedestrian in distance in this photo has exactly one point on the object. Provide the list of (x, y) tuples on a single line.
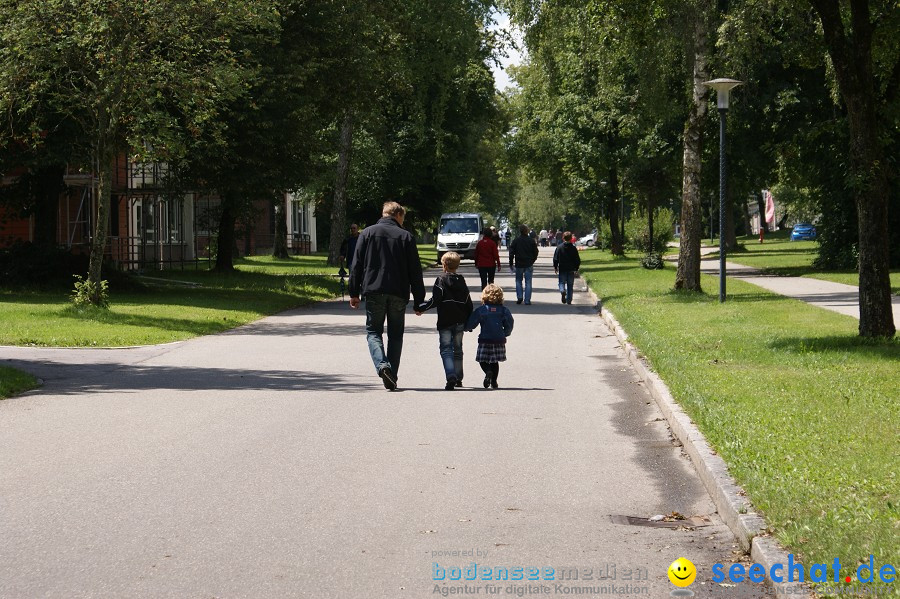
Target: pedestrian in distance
[(386, 269), (496, 322), (348, 247), (487, 258), (566, 262), (544, 235), (522, 255), (454, 306)]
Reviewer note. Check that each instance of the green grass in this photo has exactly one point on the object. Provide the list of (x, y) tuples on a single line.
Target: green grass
[(166, 311), (780, 256), (13, 382), (163, 312), (803, 410)]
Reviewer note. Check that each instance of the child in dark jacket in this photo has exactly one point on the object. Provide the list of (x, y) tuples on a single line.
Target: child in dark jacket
[(454, 305), (496, 325)]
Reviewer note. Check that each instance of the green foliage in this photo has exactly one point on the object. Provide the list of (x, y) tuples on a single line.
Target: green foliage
[(653, 262), (637, 231), (88, 293)]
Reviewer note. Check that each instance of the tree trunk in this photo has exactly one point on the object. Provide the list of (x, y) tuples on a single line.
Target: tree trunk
[(616, 245), (226, 238), (339, 206), (688, 274), (745, 207), (279, 247), (104, 157), (730, 235), (48, 185), (652, 249), (761, 204), (851, 55)]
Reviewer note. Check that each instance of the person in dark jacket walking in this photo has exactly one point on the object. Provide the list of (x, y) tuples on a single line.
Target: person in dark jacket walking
[(522, 254), (385, 269), (496, 323), (566, 262), (454, 305), (348, 247), (487, 258)]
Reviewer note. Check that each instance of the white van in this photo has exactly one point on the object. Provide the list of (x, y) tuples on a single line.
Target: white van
[(459, 232)]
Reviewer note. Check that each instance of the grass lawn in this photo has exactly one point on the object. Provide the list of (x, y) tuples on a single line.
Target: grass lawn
[(14, 381), (781, 256), (161, 313), (166, 312), (804, 412)]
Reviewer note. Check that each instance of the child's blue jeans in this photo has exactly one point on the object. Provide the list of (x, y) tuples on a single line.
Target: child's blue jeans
[(451, 344)]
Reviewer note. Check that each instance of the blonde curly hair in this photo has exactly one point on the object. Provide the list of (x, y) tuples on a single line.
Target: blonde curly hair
[(492, 294)]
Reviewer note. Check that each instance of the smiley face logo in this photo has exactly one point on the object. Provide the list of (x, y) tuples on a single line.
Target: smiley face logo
[(682, 572)]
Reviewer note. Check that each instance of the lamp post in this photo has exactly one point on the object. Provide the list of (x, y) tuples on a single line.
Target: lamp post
[(723, 89)]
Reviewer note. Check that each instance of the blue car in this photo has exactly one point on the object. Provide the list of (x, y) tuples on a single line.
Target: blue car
[(803, 231)]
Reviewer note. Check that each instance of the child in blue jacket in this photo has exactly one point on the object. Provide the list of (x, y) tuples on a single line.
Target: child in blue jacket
[(496, 325)]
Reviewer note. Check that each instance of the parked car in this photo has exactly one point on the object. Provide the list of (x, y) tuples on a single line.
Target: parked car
[(589, 240), (803, 231)]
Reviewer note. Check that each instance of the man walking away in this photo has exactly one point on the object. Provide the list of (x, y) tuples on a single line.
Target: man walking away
[(522, 254), (566, 262), (348, 247), (385, 269)]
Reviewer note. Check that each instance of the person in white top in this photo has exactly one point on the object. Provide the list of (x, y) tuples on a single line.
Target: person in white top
[(543, 235)]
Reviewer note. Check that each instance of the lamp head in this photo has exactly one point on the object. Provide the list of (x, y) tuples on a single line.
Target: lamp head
[(723, 88)]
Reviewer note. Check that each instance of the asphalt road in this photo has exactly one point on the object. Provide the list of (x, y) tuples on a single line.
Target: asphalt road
[(269, 461)]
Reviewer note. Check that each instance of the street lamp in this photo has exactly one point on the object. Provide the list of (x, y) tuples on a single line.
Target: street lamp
[(723, 89)]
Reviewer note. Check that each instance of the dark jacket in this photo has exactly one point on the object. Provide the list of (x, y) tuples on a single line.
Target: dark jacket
[(386, 261), (451, 296), (496, 323), (523, 252), (566, 258), (348, 248)]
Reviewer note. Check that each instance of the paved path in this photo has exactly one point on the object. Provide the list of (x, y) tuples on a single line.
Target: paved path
[(269, 461), (836, 297)]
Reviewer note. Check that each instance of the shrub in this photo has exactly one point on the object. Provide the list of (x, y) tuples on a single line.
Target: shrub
[(85, 291), (637, 231)]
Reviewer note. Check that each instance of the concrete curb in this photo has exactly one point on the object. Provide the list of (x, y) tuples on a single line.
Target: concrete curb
[(730, 500)]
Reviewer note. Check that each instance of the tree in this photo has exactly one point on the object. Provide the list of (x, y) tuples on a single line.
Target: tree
[(132, 76), (849, 36)]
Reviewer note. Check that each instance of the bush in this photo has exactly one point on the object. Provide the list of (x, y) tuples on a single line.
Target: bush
[(637, 231), (652, 261), (29, 265), (84, 292)]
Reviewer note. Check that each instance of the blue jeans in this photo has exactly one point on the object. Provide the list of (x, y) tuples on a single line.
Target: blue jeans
[(566, 282), (524, 273), (451, 345), (393, 308)]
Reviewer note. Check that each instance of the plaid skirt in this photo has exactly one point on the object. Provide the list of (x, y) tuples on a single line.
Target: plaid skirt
[(491, 353)]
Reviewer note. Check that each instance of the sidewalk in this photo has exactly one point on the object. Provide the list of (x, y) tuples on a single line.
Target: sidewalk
[(836, 297), (269, 461)]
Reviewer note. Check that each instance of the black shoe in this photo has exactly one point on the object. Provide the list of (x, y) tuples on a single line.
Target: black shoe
[(388, 378), (487, 381), (450, 386), (494, 384), (527, 303), (569, 303), (459, 384), (519, 301), (563, 297)]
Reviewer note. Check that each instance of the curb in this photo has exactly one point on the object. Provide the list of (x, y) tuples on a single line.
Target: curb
[(730, 500)]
